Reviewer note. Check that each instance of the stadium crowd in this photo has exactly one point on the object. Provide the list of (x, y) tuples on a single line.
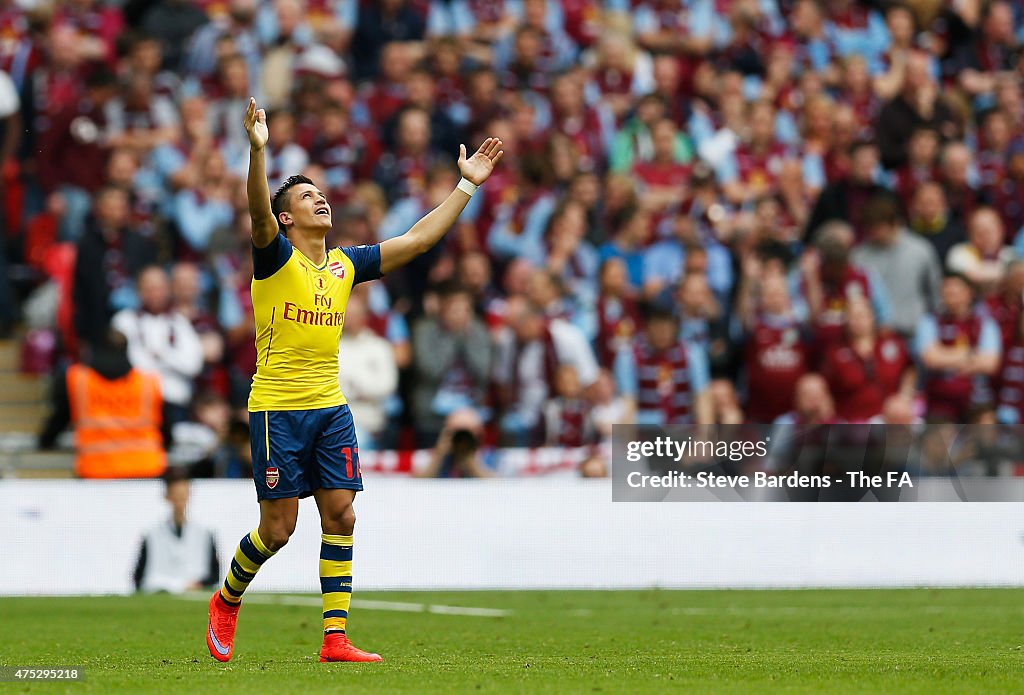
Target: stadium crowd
[(709, 210)]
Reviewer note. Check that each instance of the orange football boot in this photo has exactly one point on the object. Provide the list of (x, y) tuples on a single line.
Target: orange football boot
[(220, 635), (338, 648)]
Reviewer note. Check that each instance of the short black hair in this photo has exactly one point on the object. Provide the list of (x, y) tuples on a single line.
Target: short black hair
[(953, 275), (882, 208), (279, 203), (658, 311)]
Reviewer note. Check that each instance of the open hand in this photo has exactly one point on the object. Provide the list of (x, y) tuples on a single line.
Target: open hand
[(478, 167), (256, 126)]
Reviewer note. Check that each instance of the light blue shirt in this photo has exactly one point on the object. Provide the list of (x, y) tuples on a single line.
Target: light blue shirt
[(506, 244), (197, 221), (927, 334), (664, 261)]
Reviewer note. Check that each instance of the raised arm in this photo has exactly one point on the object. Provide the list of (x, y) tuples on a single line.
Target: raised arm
[(396, 252), (257, 190)]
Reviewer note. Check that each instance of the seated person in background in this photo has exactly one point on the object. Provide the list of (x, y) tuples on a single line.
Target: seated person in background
[(831, 279), (527, 354), (725, 403), (776, 352), (567, 418), (116, 411), (162, 341), (457, 453), (983, 258), (607, 409), (867, 367), (176, 554), (367, 373), (958, 348), (451, 362), (665, 377), (812, 403)]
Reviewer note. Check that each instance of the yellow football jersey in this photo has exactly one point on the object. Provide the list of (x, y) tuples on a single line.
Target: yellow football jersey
[(300, 311)]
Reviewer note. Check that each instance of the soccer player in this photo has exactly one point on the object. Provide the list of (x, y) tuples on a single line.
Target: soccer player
[(303, 440)]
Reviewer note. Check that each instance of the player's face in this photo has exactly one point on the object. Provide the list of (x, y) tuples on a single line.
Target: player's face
[(309, 208)]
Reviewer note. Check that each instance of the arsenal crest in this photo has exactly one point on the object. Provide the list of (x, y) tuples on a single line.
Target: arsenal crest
[(337, 269), (272, 477)]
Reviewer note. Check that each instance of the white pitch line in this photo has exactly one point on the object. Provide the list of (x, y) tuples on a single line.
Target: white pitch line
[(368, 604), (459, 610)]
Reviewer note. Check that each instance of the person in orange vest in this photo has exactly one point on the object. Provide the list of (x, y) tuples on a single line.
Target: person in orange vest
[(116, 412)]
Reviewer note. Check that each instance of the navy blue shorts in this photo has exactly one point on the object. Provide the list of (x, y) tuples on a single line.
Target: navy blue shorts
[(295, 452)]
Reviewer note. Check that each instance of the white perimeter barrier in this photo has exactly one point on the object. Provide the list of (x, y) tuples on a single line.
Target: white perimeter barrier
[(74, 537)]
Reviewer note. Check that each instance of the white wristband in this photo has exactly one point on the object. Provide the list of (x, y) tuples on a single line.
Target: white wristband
[(467, 187)]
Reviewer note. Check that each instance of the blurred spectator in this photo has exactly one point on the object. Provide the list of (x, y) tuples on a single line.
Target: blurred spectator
[(235, 29), (567, 254), (918, 105), (367, 373), (931, 218), (177, 555), (452, 362), (1005, 306), (594, 467), (172, 23), (776, 351), (528, 353), (421, 93), (958, 348), (666, 377), (457, 451), (662, 177), (116, 412), (188, 300), (847, 198), (162, 341), (830, 283), (956, 176), (629, 241), (607, 408), (73, 148), (139, 118), (725, 403), (665, 261), (905, 263), (617, 315), (380, 23), (867, 367), (991, 49), (922, 164), (702, 321), (812, 403), (111, 246), (983, 258), (634, 143), (402, 172), (204, 204), (567, 420)]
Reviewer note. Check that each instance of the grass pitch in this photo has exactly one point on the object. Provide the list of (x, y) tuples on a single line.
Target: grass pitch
[(905, 641)]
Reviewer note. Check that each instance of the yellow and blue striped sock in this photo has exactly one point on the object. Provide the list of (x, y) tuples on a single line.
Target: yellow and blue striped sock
[(250, 555), (336, 580)]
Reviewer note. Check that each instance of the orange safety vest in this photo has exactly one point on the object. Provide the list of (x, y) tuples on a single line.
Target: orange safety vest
[(117, 424)]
